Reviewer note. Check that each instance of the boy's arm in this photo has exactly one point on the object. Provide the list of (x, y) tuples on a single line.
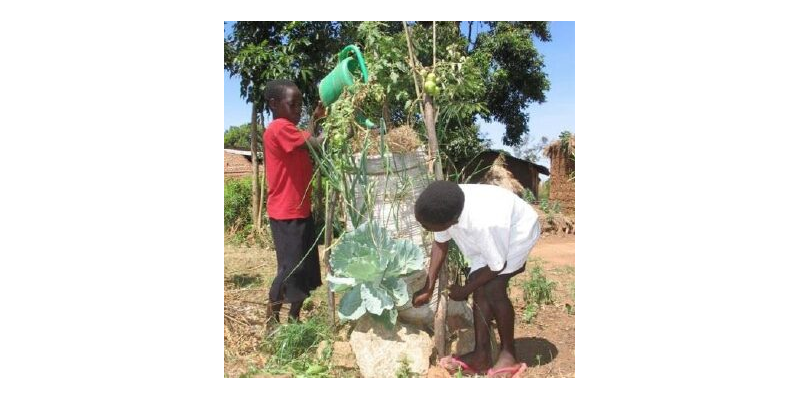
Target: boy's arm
[(438, 254), (316, 139), (495, 248)]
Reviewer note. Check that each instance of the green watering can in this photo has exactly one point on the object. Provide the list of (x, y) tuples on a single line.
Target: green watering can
[(332, 86), (334, 83)]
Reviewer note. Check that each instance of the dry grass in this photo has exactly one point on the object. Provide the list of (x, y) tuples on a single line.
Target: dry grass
[(558, 148), (402, 139), (555, 223), (498, 175), (248, 274), (248, 271)]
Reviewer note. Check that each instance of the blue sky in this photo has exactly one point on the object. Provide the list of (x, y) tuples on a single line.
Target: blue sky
[(547, 119)]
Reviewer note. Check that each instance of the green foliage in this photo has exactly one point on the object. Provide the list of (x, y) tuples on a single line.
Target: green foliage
[(528, 196), (238, 137), (537, 290), (343, 171), (516, 76), (385, 55), (368, 265), (262, 51), (550, 208), (565, 137), (404, 370), (293, 346), (544, 190), (238, 217), (294, 339), (238, 202), (496, 77), (456, 263)]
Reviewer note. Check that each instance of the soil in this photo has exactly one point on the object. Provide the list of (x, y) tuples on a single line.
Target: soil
[(551, 335)]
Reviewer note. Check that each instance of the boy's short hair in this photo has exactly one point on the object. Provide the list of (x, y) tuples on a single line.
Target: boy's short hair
[(276, 88), (441, 202)]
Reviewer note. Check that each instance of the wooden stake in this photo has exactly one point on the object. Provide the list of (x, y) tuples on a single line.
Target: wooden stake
[(428, 112), (330, 209)]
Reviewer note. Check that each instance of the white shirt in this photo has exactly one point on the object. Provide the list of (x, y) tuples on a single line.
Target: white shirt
[(495, 228)]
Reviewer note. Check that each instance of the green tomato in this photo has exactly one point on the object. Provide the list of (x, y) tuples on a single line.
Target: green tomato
[(430, 87), (436, 91), (431, 77)]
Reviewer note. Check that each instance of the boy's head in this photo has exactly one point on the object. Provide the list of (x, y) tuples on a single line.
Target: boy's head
[(439, 206), (284, 100)]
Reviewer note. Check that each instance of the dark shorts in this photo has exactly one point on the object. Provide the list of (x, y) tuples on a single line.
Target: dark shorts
[(505, 276), (298, 260)]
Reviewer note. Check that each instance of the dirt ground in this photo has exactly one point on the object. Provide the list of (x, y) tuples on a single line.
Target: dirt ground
[(546, 344), (551, 335)]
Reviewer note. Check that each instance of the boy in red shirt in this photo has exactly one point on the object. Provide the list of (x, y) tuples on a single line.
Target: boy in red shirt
[(288, 174)]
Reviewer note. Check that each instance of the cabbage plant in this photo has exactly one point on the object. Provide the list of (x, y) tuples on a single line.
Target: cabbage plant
[(368, 265)]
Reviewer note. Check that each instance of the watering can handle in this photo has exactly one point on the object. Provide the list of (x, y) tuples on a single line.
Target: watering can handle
[(346, 51)]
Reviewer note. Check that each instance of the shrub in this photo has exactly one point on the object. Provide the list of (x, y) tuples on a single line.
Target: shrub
[(537, 290), (238, 202)]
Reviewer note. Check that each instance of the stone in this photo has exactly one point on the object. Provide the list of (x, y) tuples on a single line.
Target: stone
[(437, 372), (380, 351), (459, 313), (343, 356)]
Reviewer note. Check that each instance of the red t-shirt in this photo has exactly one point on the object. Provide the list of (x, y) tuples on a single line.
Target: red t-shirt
[(289, 171)]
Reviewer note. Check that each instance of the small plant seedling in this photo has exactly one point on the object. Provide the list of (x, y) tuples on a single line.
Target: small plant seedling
[(537, 290), (404, 370)]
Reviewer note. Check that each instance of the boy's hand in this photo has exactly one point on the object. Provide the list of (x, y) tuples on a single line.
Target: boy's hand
[(320, 111), (421, 297), (458, 293)]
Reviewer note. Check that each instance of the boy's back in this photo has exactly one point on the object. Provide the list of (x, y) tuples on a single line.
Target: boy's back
[(288, 170), (495, 227)]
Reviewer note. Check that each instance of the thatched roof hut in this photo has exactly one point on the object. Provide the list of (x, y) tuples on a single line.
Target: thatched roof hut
[(487, 165), (562, 173)]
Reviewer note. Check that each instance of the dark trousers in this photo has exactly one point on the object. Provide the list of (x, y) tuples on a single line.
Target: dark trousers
[(298, 260)]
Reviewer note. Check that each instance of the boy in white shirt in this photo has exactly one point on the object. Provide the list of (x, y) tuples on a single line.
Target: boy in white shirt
[(495, 230)]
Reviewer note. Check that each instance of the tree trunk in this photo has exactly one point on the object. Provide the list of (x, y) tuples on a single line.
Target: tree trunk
[(255, 192), (386, 117)]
